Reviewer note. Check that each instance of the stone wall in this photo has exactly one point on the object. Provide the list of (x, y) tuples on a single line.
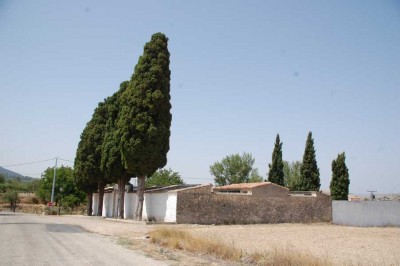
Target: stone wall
[(215, 208), (271, 190)]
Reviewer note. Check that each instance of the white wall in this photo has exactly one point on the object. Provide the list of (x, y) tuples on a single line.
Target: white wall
[(95, 203), (160, 207), (108, 202), (366, 213), (170, 215), (130, 205), (155, 206)]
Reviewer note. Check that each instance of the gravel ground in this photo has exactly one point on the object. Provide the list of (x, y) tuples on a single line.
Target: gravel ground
[(341, 244)]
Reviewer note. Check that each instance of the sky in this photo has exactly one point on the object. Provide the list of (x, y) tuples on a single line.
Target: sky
[(241, 72)]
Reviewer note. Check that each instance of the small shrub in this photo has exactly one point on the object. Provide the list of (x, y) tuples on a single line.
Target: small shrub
[(11, 197), (30, 200), (35, 200), (51, 211)]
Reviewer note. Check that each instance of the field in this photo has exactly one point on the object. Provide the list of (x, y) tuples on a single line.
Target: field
[(337, 244)]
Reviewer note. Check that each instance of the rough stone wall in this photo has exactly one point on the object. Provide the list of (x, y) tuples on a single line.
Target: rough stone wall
[(270, 191), (212, 208)]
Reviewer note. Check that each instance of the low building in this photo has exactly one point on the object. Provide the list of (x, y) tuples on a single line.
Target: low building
[(262, 202)]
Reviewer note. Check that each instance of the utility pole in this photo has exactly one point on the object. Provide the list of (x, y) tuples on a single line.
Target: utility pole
[(54, 181)]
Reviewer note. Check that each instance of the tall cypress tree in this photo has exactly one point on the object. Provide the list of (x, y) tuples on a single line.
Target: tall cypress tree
[(309, 172), (145, 119), (111, 160), (89, 152), (276, 174), (83, 167), (340, 178)]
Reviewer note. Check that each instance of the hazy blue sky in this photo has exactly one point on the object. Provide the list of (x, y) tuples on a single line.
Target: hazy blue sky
[(242, 71)]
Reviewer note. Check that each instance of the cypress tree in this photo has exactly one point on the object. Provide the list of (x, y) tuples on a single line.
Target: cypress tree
[(89, 153), (276, 174), (82, 167), (309, 172), (340, 178), (145, 119), (111, 160)]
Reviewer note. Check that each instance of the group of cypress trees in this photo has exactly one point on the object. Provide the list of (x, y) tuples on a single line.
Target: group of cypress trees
[(128, 135), (309, 172)]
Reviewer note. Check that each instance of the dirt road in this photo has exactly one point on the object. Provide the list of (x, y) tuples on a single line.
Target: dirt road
[(44, 240)]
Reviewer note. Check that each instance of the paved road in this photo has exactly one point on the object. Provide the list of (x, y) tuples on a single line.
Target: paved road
[(38, 240)]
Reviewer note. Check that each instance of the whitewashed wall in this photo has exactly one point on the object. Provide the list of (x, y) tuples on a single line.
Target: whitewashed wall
[(95, 203), (155, 206), (366, 213), (160, 207), (108, 203), (130, 205), (170, 214)]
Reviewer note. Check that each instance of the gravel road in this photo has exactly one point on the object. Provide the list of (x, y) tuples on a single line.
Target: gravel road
[(43, 240)]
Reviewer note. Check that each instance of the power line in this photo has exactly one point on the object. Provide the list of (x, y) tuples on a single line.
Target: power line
[(19, 164), (395, 188), (65, 160)]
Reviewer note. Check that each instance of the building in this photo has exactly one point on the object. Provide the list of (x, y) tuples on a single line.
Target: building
[(262, 202)]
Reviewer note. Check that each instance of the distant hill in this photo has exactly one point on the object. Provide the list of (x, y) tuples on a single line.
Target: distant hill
[(8, 174)]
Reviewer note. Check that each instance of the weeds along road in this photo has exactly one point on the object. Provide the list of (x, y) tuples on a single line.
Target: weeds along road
[(41, 240)]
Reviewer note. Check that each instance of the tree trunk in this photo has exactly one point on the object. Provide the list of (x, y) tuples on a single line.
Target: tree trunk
[(140, 196), (89, 197), (101, 197), (121, 188)]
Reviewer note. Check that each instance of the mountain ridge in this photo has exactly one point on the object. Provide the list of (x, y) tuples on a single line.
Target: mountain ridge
[(8, 174)]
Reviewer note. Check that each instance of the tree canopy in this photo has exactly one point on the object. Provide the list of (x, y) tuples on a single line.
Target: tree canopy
[(275, 174), (292, 175), (340, 181), (70, 193), (145, 118), (129, 132), (111, 160), (88, 173), (234, 169), (164, 177), (309, 172), (85, 165)]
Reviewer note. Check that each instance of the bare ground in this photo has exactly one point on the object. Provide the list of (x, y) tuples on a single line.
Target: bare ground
[(340, 244)]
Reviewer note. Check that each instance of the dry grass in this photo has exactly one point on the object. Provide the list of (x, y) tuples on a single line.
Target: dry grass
[(183, 240), (180, 239)]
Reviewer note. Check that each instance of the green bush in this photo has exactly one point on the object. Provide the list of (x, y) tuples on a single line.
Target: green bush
[(11, 197)]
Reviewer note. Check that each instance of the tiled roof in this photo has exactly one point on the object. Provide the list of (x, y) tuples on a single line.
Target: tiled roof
[(242, 186)]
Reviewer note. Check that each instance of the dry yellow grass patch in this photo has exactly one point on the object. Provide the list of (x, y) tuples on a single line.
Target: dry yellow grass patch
[(180, 239), (183, 240)]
